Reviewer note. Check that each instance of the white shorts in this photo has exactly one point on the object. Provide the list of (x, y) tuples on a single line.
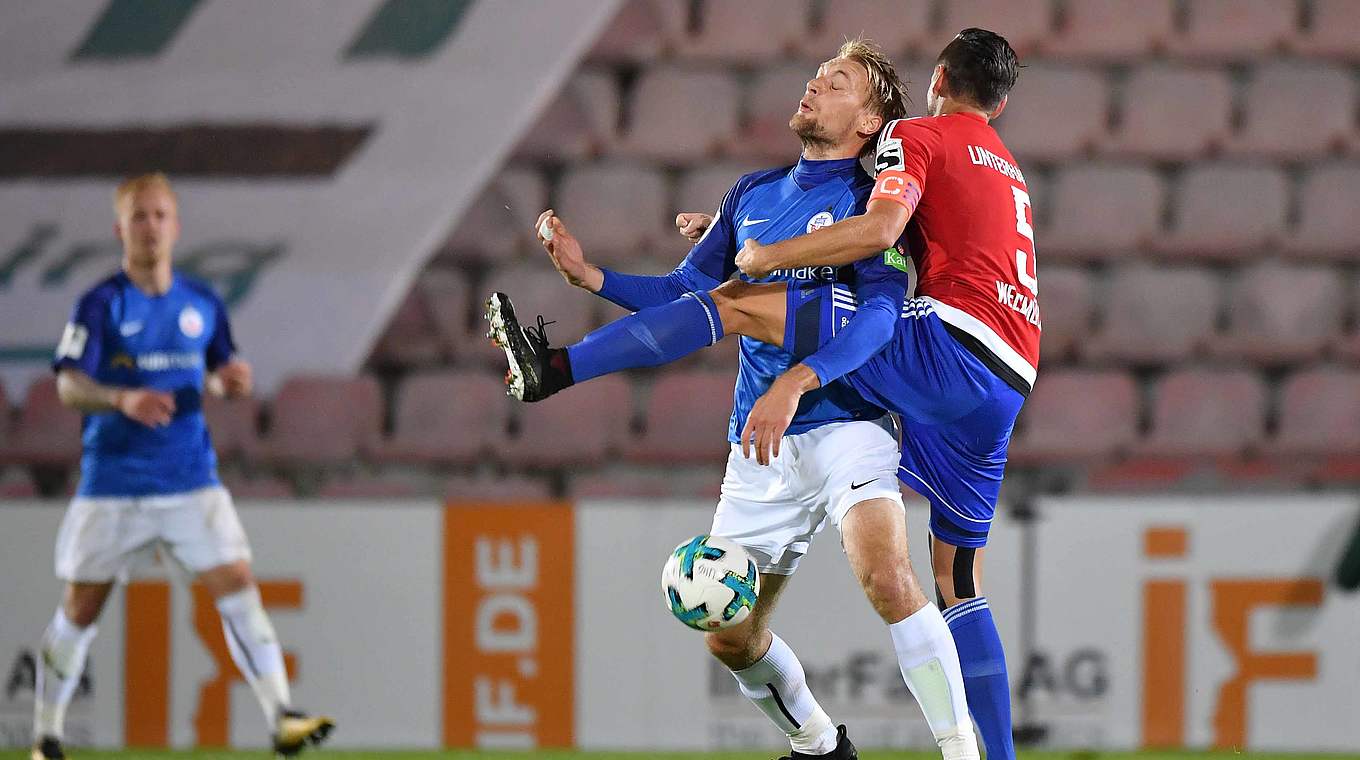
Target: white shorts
[(104, 538), (774, 511)]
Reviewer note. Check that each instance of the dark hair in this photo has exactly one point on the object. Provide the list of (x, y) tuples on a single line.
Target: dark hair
[(981, 66)]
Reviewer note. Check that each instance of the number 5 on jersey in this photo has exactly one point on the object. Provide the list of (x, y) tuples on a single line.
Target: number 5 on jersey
[(1025, 272)]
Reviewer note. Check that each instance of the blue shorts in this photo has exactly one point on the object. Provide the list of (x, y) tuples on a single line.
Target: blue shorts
[(956, 414)]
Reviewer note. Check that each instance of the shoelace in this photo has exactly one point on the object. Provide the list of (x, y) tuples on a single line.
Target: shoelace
[(538, 335)]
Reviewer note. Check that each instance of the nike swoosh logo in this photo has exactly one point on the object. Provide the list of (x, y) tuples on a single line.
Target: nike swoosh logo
[(857, 486), (748, 221)]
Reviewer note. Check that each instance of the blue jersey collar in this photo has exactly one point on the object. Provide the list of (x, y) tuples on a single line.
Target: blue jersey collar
[(809, 173)]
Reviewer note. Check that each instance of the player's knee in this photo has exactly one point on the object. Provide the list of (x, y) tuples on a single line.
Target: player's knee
[(83, 609), (735, 649), (728, 297), (892, 590)]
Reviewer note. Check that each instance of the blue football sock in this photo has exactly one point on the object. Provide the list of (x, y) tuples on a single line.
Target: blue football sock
[(653, 336), (984, 674)]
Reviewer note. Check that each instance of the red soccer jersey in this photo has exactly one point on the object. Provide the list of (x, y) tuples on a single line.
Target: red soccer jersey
[(971, 235)]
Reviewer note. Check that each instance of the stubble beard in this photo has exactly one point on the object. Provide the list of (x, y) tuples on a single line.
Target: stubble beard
[(810, 133)]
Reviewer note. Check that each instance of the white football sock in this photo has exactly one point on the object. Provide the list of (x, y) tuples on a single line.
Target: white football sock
[(930, 665), (63, 652), (777, 685), (255, 649)]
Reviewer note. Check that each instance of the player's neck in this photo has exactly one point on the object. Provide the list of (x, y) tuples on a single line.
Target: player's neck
[(950, 106), (829, 152), (154, 280)]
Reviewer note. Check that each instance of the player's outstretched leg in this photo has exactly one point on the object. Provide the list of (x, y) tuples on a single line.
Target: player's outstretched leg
[(65, 646), (255, 649), (958, 581), (651, 337), (769, 674), (875, 538)]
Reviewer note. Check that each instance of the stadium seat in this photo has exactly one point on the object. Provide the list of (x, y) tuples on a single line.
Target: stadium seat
[(1279, 313), (616, 210), (746, 32), (1328, 225), (500, 221), (641, 31), (1102, 210), (264, 488), (46, 433), (1319, 413), (580, 123), (1276, 97), (536, 288), (770, 101), (896, 27), (234, 426), (686, 419), (322, 420), (17, 485), (681, 116), (579, 426), (1154, 315), (1027, 125), (650, 483), (489, 487), (1332, 31), (1077, 416), (1225, 211), (412, 337), (450, 417), (1026, 24), (1206, 413), (1067, 304), (1235, 29), (367, 487), (1112, 30), (1173, 113), (6, 421)]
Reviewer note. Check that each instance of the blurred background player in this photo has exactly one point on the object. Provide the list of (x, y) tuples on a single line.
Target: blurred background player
[(136, 357), (966, 351), (839, 459)]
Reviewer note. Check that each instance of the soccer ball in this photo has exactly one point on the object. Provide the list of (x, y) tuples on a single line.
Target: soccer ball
[(710, 583)]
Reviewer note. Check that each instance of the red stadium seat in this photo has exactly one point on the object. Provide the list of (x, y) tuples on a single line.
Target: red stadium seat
[(1319, 413), (1173, 112), (500, 221), (1209, 413), (46, 433), (1028, 126), (771, 100), (896, 27), (321, 420), (1329, 225), (681, 116), (412, 337), (580, 123), (536, 288), (448, 300), (1235, 29), (578, 426), (617, 211), (445, 417), (17, 485), (649, 483), (1226, 211), (371, 487), (1282, 314), (488, 487), (750, 31), (1332, 31), (641, 31), (1112, 30), (1067, 305), (686, 419), (1155, 315), (1101, 210), (1026, 24), (264, 488), (1279, 93), (1077, 415), (234, 426), (6, 421)]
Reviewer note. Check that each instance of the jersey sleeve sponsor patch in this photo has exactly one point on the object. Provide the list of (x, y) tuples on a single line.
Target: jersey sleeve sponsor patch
[(73, 340), (889, 156)]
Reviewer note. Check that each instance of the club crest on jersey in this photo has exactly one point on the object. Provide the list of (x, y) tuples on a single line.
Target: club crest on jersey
[(190, 322), (820, 220)]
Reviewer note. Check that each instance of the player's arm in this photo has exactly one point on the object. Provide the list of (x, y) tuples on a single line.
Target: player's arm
[(80, 392), (229, 376), (846, 241)]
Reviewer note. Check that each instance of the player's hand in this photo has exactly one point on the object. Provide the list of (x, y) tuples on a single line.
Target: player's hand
[(566, 254), (753, 261), (236, 377), (693, 224), (151, 408), (769, 418)]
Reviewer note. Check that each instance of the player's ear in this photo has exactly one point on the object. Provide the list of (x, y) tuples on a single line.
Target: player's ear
[(1000, 107), (937, 82), (869, 123)]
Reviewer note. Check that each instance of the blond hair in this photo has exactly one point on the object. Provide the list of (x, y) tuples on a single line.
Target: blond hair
[(133, 185)]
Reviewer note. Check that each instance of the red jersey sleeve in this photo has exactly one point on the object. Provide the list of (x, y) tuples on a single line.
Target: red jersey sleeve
[(906, 150)]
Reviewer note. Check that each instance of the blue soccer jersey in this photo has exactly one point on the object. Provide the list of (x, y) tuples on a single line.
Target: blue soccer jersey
[(769, 206), (120, 336)]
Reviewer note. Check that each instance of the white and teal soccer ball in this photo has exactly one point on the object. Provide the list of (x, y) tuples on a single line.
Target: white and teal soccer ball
[(710, 583)]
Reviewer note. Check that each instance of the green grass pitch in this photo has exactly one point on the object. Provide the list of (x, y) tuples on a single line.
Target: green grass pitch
[(556, 755)]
